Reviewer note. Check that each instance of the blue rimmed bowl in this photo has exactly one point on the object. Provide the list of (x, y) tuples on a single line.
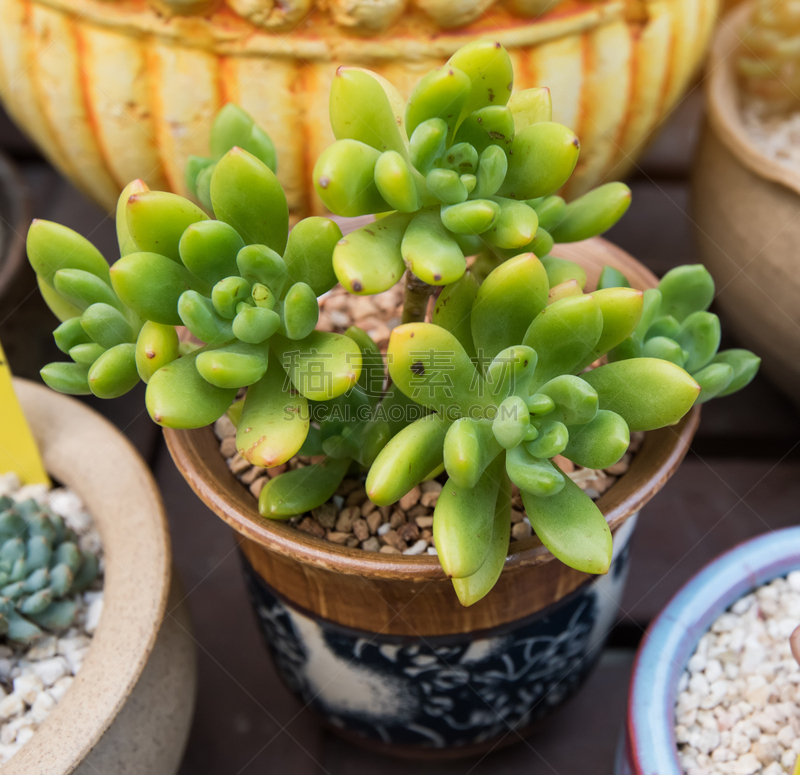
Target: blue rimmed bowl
[(649, 746)]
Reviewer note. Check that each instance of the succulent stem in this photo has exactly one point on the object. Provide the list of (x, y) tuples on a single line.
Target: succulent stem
[(415, 302)]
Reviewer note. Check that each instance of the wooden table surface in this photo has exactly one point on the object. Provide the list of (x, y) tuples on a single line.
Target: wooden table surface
[(741, 478)]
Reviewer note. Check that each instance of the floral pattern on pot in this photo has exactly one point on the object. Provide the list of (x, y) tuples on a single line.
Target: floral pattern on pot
[(443, 691)]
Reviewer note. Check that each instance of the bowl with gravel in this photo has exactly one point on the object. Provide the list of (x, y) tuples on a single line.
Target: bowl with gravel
[(97, 663), (746, 182), (715, 683)]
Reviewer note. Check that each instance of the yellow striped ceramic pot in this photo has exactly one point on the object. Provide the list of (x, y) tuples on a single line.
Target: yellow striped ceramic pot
[(113, 90)]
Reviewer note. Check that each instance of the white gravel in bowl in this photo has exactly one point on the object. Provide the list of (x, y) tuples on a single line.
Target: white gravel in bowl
[(34, 678), (738, 707)]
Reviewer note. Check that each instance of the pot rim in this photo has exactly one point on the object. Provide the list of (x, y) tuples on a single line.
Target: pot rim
[(12, 255), (672, 637), (196, 455), (84, 450), (722, 100)]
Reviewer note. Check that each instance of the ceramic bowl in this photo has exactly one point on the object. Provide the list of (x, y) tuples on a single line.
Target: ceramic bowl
[(130, 706), (649, 745)]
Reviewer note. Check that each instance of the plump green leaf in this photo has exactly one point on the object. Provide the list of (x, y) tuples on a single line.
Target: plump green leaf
[(322, 366), (453, 308), (208, 250), (178, 397), (430, 251), (713, 379), (440, 94), (247, 195), (513, 295), (275, 420), (367, 108), (106, 325), (469, 447), (150, 285), (395, 182), (531, 106), (157, 220), (234, 365), (309, 253), (472, 588), (535, 475), (407, 459), (69, 378), (541, 160), (431, 367), (593, 213), (114, 373), (156, 346), (492, 125), (745, 366), (699, 336), (52, 247), (686, 289), (563, 335), (600, 443), (369, 260), (646, 392), (572, 528), (560, 270), (463, 521), (489, 69), (515, 226), (299, 491)]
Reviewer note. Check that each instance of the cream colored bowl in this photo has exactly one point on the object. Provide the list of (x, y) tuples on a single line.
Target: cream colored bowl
[(130, 707)]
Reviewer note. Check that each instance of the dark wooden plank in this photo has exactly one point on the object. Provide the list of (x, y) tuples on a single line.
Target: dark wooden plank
[(576, 738), (708, 506), (246, 720)]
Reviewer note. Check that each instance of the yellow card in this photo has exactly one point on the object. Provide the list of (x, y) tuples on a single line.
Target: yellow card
[(18, 450)]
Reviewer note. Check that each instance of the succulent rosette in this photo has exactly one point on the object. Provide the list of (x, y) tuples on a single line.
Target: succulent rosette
[(464, 168), (239, 283), (502, 369), (41, 568)]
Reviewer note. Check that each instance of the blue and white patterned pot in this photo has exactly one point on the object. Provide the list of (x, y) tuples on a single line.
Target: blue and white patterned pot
[(446, 691), (649, 740)]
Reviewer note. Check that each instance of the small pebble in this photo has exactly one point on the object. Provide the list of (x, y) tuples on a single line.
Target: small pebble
[(418, 548)]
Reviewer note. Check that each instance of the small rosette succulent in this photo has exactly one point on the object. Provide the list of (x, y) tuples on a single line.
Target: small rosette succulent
[(676, 326), (465, 167), (240, 284), (502, 369), (41, 569)]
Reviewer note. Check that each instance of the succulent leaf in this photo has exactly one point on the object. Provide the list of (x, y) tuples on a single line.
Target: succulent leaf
[(208, 249), (541, 160), (299, 491), (463, 521), (407, 459), (243, 189), (571, 526), (178, 397), (513, 295), (472, 588), (600, 443), (646, 392), (157, 219), (593, 213), (275, 420), (430, 251)]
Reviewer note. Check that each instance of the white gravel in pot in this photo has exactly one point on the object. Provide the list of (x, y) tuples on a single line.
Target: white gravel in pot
[(738, 707), (776, 135), (34, 678)]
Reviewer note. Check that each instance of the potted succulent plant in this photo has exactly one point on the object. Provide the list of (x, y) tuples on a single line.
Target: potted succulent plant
[(525, 361)]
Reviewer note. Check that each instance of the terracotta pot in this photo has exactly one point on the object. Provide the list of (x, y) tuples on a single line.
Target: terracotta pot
[(15, 216), (745, 209), (128, 92), (649, 743), (378, 644), (130, 706)]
